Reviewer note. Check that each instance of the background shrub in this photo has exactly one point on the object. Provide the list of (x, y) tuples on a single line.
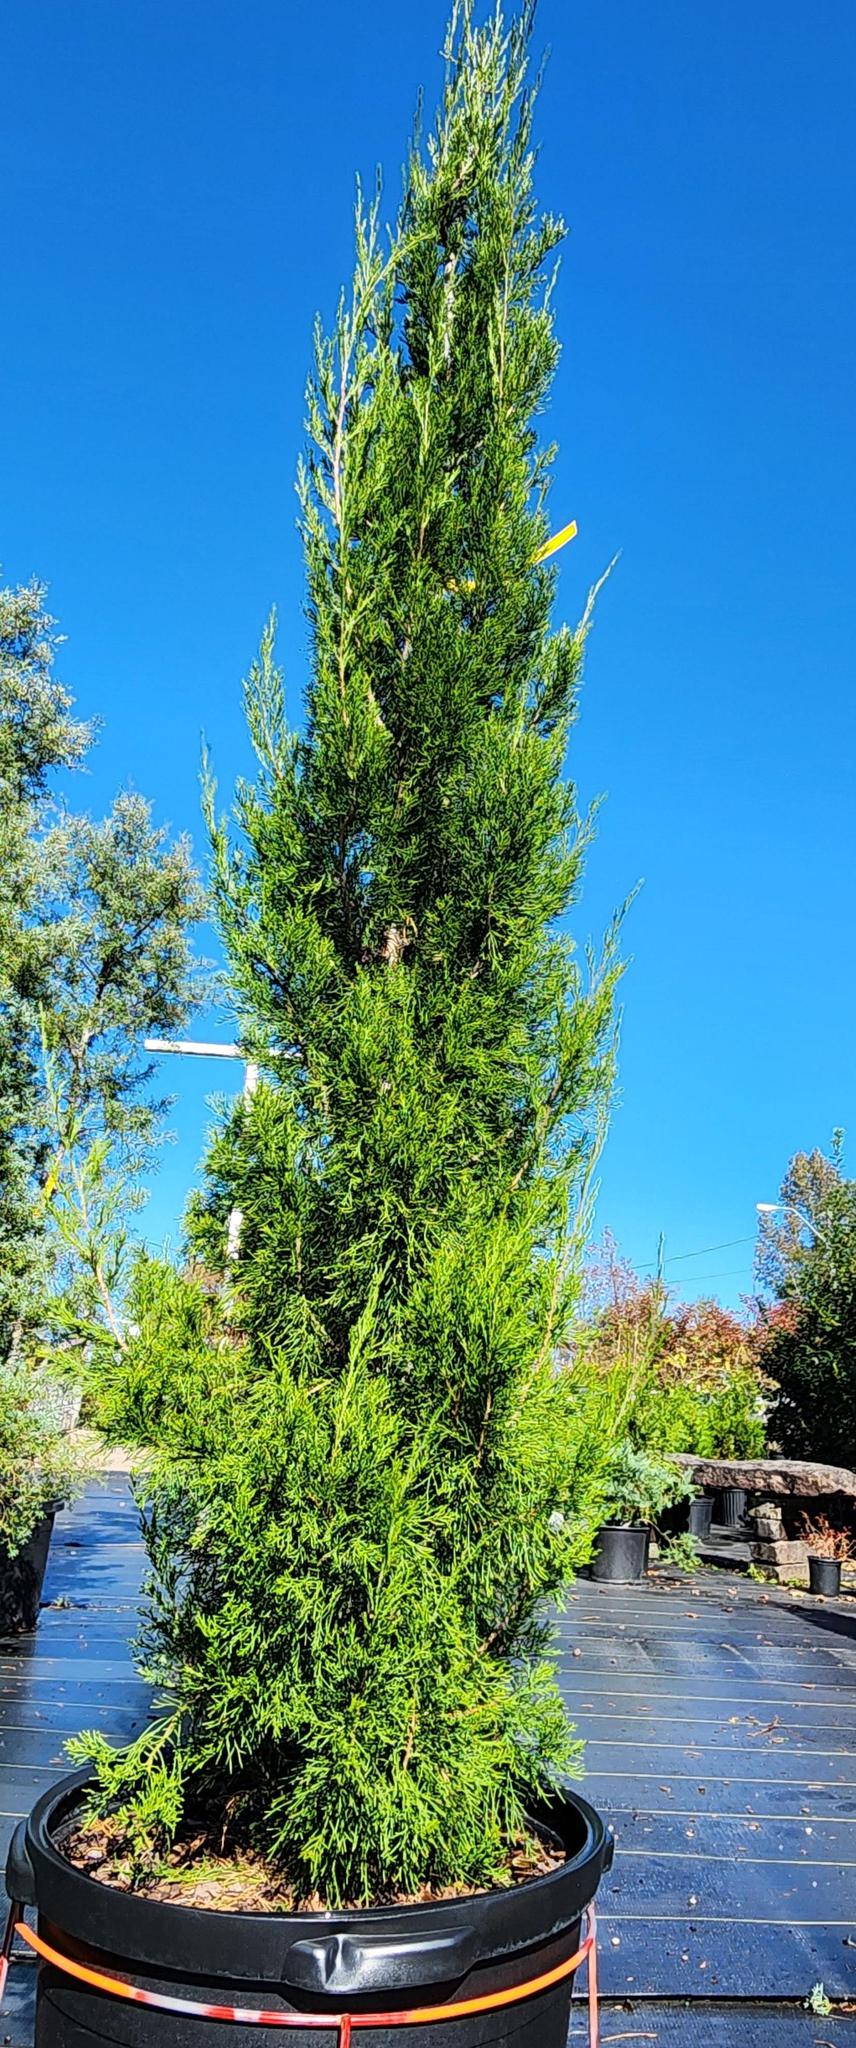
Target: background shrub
[(698, 1384), (37, 1465)]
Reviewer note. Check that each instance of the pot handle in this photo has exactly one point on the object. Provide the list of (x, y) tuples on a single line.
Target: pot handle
[(352, 1963), (20, 1875)]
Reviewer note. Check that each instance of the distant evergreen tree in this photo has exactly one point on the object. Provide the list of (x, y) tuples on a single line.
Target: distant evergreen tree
[(367, 1470), (95, 922), (807, 1260), (38, 736), (118, 902)]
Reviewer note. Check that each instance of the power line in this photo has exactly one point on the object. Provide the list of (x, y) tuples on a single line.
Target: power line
[(703, 1254), (701, 1279), (706, 1250)]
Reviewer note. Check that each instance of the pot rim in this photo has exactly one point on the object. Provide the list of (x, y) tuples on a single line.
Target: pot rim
[(200, 1941)]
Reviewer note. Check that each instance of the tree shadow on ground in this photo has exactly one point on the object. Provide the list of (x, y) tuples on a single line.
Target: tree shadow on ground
[(828, 1619)]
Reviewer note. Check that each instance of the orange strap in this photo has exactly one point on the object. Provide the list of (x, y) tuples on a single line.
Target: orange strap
[(117, 1987)]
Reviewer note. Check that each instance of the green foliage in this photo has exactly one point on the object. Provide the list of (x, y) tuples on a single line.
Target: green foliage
[(710, 1421), (698, 1383), (334, 1651), (680, 1553), (157, 1787), (787, 1229), (36, 1466), (810, 1329), (94, 953), (639, 1486), (119, 900), (38, 736), (367, 1468)]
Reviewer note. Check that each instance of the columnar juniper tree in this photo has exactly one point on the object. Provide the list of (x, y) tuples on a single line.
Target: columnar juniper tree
[(368, 1472)]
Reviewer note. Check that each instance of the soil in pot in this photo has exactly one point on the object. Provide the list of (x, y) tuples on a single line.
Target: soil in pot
[(22, 1578), (621, 1553), (824, 1575), (385, 1960), (197, 1873)]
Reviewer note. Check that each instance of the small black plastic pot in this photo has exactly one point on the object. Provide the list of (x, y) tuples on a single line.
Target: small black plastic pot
[(701, 1512), (732, 1506), (824, 1575), (687, 1518), (621, 1554), (674, 1521), (22, 1578), (385, 1959)]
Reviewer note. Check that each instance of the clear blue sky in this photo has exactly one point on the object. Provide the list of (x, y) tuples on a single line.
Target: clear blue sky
[(177, 186)]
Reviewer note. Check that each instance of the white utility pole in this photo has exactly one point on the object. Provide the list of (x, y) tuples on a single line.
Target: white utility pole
[(201, 1050)]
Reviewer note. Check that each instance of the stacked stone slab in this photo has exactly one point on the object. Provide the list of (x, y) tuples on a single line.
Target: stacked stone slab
[(772, 1478), (780, 1487), (784, 1558)]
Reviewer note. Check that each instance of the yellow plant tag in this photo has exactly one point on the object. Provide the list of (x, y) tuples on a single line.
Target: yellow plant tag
[(559, 540), (551, 547)]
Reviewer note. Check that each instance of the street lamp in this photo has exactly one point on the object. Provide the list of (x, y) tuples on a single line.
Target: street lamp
[(202, 1050), (808, 1222)]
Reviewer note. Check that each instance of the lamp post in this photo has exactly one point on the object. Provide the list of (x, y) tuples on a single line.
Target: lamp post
[(808, 1222), (200, 1049)]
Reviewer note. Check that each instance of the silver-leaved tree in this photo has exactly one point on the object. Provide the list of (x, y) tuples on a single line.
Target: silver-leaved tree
[(95, 950)]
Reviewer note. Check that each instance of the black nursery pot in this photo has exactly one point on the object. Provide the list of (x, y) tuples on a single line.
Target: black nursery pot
[(622, 1553), (732, 1506), (700, 1516), (22, 1578), (687, 1518), (824, 1575), (380, 1960)]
